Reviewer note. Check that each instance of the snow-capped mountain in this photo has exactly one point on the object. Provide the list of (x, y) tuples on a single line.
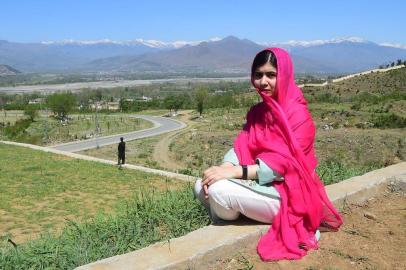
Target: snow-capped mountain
[(228, 55), (137, 42), (318, 42)]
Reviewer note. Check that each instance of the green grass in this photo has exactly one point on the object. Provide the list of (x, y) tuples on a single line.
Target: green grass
[(333, 171), (142, 220), (101, 211), (40, 189)]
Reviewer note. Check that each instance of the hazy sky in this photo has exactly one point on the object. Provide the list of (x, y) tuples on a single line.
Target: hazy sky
[(260, 21)]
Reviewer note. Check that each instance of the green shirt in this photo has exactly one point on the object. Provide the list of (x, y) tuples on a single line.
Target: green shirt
[(264, 184), (266, 176)]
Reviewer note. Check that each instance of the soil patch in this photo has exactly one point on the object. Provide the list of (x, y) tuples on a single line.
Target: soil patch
[(373, 237)]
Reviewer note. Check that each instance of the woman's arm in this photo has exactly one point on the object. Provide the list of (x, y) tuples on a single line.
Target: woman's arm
[(228, 169), (215, 173)]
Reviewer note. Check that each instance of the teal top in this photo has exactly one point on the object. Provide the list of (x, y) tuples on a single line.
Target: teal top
[(266, 176)]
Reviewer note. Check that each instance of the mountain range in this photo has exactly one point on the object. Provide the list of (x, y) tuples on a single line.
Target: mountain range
[(227, 56), (7, 70)]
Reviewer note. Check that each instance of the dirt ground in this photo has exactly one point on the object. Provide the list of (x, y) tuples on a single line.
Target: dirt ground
[(373, 237)]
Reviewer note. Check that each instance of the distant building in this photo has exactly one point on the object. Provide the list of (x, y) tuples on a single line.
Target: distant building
[(36, 101), (103, 105), (97, 105), (113, 106), (144, 98)]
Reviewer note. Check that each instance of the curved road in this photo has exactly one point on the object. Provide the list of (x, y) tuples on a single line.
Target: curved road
[(161, 125)]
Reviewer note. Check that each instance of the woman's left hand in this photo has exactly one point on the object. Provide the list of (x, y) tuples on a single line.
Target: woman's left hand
[(215, 173)]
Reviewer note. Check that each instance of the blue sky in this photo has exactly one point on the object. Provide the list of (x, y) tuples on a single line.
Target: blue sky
[(260, 21)]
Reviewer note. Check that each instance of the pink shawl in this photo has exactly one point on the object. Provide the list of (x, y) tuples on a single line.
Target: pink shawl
[(280, 131)]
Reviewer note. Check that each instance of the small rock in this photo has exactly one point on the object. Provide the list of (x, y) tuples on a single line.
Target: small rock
[(370, 215), (391, 232)]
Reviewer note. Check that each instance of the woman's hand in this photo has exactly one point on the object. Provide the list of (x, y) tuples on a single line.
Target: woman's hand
[(215, 173)]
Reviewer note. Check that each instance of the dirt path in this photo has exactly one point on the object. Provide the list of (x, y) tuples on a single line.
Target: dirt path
[(161, 151)]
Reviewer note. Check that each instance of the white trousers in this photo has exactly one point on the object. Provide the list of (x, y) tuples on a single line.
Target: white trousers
[(227, 200)]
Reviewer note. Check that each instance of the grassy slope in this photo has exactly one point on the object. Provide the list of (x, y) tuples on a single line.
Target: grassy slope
[(40, 190), (347, 144), (346, 147)]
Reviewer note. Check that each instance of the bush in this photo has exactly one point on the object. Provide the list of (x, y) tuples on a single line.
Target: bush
[(356, 106), (187, 171), (17, 129), (327, 97), (388, 121)]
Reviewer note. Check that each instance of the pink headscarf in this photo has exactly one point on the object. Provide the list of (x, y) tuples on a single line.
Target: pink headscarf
[(280, 131)]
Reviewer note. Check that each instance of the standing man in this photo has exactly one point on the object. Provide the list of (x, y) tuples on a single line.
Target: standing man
[(121, 152)]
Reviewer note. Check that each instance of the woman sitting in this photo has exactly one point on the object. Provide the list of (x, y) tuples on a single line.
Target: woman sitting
[(269, 175)]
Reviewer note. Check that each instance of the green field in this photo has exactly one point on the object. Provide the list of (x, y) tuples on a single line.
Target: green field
[(41, 190), (79, 211)]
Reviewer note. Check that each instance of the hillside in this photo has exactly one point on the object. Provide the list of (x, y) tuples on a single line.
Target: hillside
[(7, 70), (378, 85)]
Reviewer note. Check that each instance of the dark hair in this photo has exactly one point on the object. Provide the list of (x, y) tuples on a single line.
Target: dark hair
[(262, 58), (121, 139)]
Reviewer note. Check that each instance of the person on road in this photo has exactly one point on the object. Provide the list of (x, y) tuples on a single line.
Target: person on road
[(121, 152), (269, 175)]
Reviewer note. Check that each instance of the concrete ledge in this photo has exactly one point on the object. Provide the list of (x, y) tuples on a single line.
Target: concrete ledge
[(182, 177), (199, 248)]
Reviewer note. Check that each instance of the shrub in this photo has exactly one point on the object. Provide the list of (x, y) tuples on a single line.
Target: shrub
[(17, 129), (388, 121)]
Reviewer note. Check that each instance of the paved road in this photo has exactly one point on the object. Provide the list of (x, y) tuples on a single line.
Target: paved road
[(161, 125)]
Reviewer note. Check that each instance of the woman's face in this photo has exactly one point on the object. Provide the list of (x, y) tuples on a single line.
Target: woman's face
[(264, 78)]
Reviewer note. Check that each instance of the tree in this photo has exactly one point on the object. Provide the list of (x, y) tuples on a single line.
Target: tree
[(179, 100), (61, 104), (31, 112), (398, 62), (169, 102), (174, 102), (125, 105), (201, 99)]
